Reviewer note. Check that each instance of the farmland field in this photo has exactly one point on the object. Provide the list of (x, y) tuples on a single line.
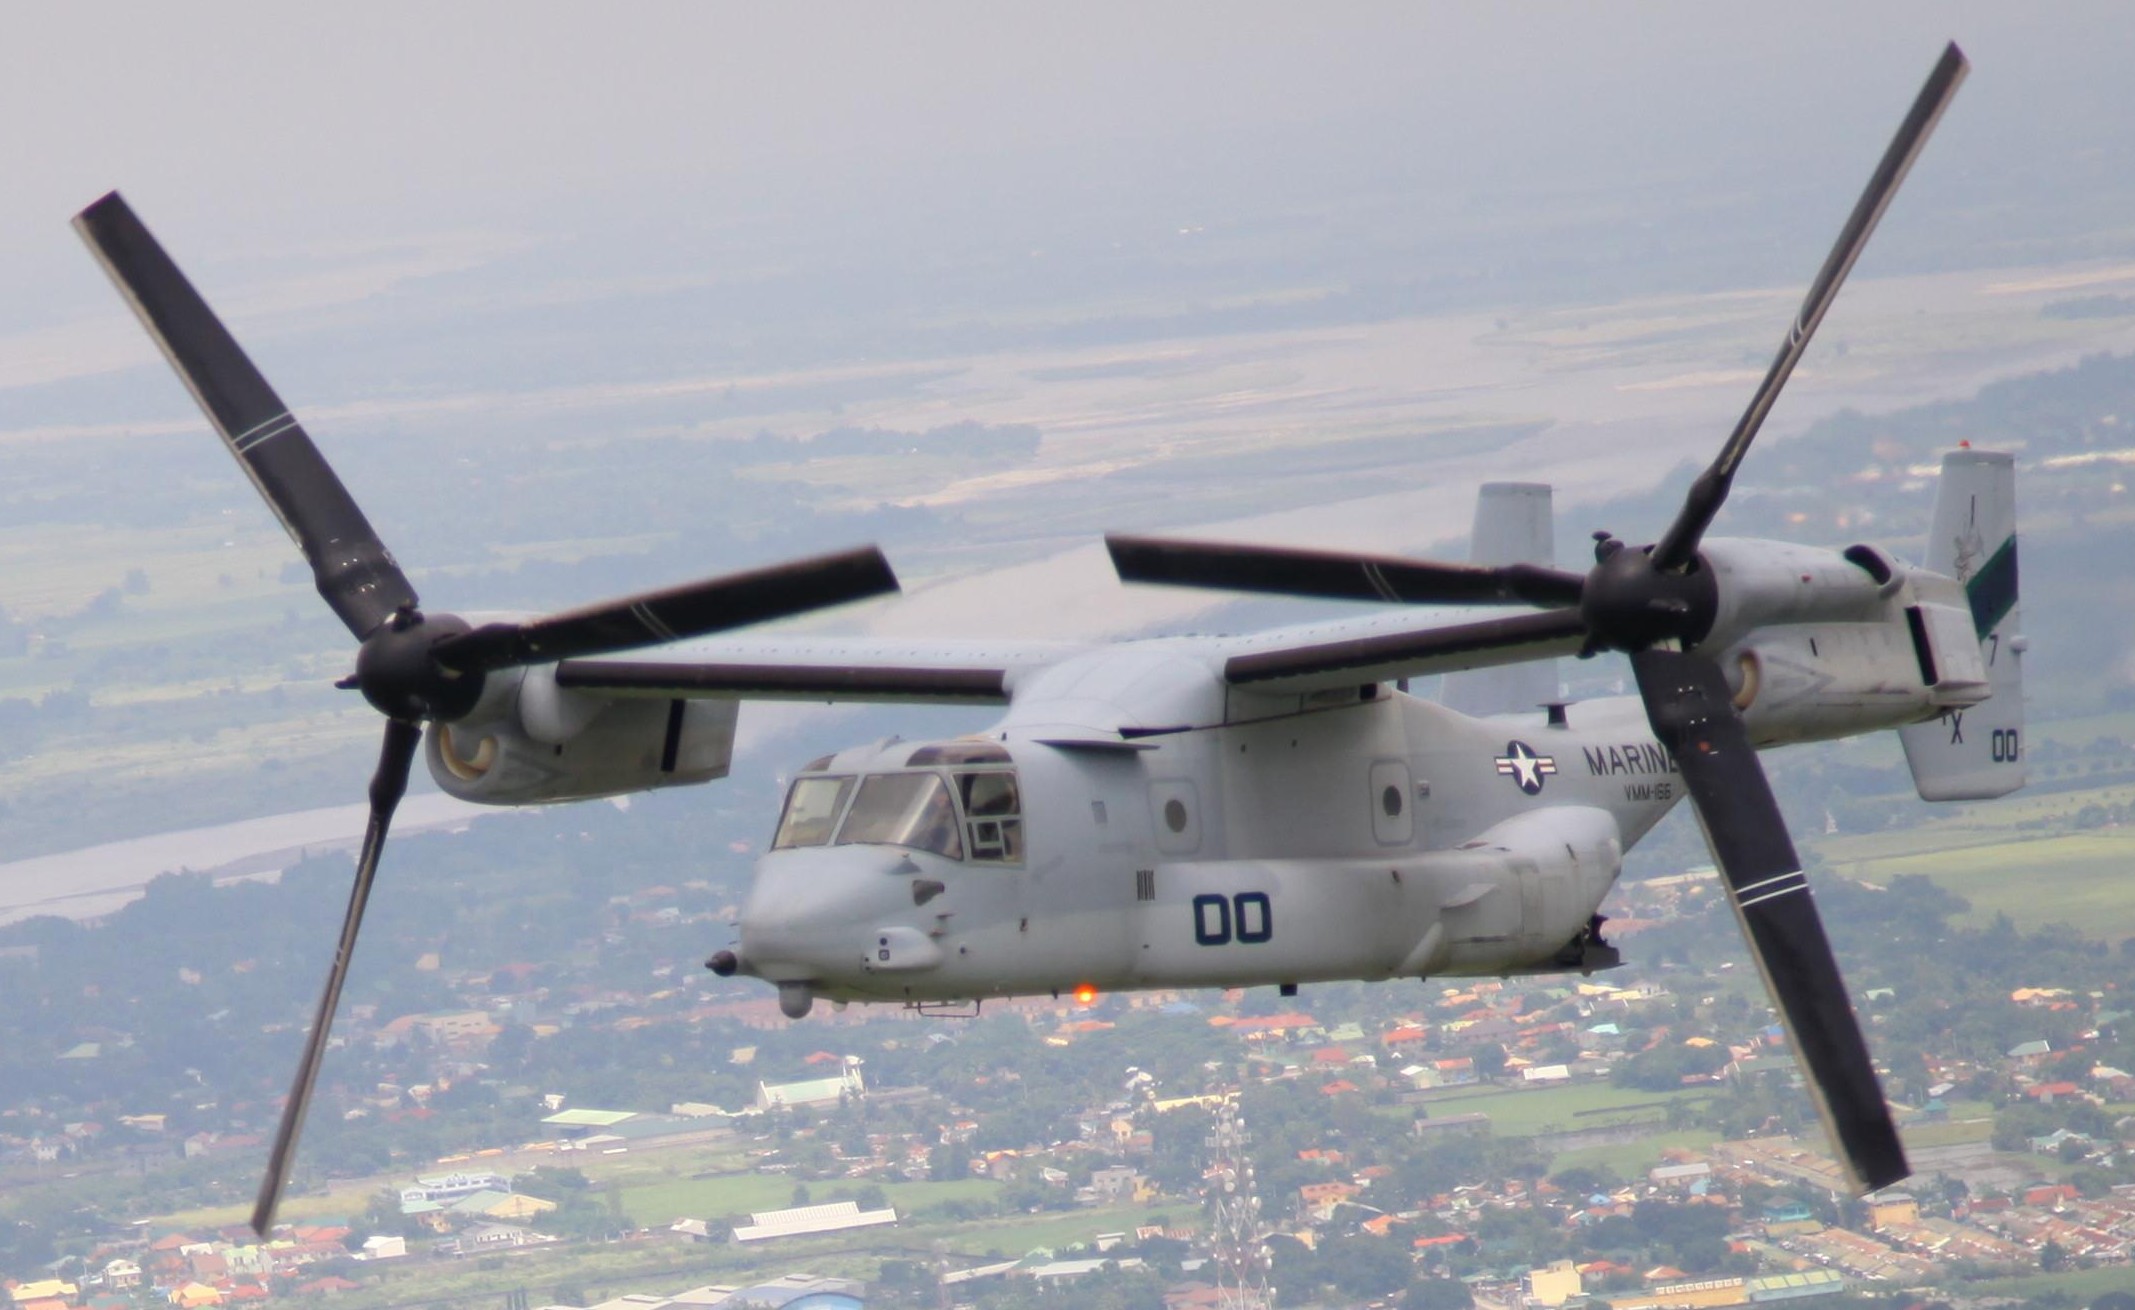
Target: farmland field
[(1562, 1109)]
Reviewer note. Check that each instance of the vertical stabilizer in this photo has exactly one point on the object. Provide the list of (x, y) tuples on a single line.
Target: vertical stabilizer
[(1977, 753), (1513, 525)]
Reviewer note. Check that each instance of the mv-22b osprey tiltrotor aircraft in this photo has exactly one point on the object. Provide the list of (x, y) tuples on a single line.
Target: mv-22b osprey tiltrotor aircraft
[(1202, 812)]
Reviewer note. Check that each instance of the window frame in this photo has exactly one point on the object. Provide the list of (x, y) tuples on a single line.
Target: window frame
[(848, 788), (1005, 843)]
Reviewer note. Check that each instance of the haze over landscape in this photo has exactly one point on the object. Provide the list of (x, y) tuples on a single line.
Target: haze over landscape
[(581, 302), (1490, 243)]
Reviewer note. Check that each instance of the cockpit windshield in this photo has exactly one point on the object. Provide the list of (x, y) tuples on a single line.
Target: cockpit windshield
[(904, 809), (811, 811), (974, 813)]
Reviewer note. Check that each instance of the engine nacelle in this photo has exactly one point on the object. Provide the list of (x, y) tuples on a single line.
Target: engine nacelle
[(533, 743), (1810, 682), (1815, 675), (1769, 583)]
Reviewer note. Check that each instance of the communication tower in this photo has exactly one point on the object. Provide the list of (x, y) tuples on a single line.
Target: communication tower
[(1234, 1230)]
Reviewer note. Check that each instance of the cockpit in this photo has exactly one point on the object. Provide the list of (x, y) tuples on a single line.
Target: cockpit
[(958, 800)]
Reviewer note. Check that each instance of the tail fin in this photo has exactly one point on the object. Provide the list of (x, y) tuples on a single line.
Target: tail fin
[(1514, 524), (1977, 753)]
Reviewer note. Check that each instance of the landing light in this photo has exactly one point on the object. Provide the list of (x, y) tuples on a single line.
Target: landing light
[(1085, 994)]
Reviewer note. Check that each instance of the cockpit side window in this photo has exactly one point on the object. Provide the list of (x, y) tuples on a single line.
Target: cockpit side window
[(994, 811), (812, 807), (903, 809)]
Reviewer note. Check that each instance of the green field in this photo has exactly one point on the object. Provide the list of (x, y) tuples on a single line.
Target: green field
[(340, 1201), (2079, 1283), (1949, 1134), (653, 1197), (1530, 1113), (2021, 855), (606, 1270), (1633, 1159), (596, 1271), (1562, 1109), (1021, 1234), (2080, 878), (1969, 1121)]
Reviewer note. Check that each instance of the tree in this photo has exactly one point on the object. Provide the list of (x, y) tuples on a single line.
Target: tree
[(947, 1164), (1489, 1060), (1298, 1268), (1664, 1067), (1691, 1237), (584, 1218), (382, 1215), (1580, 1180), (1437, 1294), (1560, 1049), (905, 1281), (2052, 1256), (551, 1182), (1166, 1254), (1366, 1267), (2016, 1125)]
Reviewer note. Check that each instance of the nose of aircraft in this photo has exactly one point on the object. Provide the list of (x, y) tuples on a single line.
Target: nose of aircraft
[(811, 911)]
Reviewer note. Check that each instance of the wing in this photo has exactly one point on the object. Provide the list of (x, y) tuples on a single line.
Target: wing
[(819, 669), (1387, 647), (1289, 661)]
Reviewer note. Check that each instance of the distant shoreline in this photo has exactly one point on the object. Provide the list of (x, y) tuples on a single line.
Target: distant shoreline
[(98, 880)]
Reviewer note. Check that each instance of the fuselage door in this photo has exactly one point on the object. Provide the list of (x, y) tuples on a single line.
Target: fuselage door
[(1393, 809)]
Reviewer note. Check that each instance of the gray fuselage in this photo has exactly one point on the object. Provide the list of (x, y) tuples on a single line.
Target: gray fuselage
[(1387, 837)]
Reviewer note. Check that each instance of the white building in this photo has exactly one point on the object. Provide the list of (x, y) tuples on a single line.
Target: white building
[(442, 1189), (801, 1221), (814, 1091)]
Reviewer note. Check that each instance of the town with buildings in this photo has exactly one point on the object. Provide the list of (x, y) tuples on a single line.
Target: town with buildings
[(1633, 1140)]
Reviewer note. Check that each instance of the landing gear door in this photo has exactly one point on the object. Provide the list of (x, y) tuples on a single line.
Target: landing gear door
[(1393, 809)]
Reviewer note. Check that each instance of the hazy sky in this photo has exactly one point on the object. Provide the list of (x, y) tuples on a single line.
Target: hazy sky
[(257, 133), (396, 198)]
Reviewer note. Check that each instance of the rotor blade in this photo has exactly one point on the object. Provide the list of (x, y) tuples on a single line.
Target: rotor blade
[(387, 784), (1688, 703), (1680, 544), (354, 571), (653, 617), (1337, 575)]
